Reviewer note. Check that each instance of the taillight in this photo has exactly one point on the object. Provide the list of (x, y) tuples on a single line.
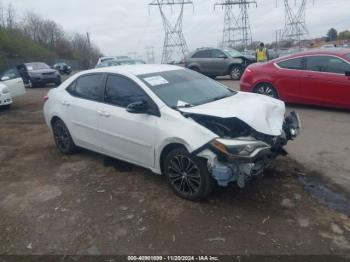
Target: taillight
[(45, 99)]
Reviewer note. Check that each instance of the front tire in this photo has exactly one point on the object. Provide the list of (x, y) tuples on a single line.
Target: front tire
[(30, 83), (58, 82), (188, 175), (236, 72), (63, 139)]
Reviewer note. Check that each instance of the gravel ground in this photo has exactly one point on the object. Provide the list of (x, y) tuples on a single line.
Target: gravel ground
[(91, 204)]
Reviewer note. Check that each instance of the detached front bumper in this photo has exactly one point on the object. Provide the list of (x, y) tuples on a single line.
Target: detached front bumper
[(240, 159)]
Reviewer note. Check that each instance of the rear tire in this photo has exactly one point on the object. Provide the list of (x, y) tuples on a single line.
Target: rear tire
[(266, 89), (63, 139), (188, 175), (236, 72)]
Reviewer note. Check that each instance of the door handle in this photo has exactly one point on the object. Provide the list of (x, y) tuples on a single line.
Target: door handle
[(308, 76), (65, 103), (103, 113)]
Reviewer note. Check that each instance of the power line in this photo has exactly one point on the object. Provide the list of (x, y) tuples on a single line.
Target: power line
[(175, 46), (237, 31)]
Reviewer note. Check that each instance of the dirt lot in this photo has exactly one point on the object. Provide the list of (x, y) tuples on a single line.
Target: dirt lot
[(91, 204)]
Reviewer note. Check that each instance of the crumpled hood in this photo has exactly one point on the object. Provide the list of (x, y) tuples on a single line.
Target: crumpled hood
[(262, 113)]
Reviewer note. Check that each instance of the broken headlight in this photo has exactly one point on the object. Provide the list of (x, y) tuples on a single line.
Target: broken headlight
[(244, 147)]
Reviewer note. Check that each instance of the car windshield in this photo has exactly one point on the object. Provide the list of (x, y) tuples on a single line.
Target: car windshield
[(36, 66), (233, 53), (185, 88)]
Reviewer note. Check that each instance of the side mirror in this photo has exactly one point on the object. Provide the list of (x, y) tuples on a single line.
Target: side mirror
[(347, 73), (5, 78), (139, 107)]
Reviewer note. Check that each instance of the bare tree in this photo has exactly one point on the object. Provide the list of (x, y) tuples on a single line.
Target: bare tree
[(10, 16), (2, 16)]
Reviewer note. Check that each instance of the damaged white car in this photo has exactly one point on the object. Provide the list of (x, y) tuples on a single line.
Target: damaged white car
[(174, 121)]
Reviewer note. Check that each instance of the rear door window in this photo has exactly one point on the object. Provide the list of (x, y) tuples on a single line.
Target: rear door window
[(202, 54), (217, 53), (86, 87), (294, 63), (328, 64)]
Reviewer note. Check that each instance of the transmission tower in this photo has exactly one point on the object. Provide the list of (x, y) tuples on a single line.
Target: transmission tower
[(150, 54), (295, 26), (175, 46), (237, 30)]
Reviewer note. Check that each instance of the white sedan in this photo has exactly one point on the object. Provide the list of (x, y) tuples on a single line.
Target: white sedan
[(174, 121), (13, 82), (5, 96)]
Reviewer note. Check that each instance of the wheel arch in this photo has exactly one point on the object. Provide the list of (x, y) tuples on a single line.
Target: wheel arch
[(234, 64), (194, 65), (165, 151), (54, 119), (269, 83)]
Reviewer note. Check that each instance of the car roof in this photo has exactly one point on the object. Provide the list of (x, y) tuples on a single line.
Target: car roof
[(331, 51), (139, 69)]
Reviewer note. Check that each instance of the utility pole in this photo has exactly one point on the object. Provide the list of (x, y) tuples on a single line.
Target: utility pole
[(175, 46), (295, 21), (89, 48), (237, 31), (150, 54)]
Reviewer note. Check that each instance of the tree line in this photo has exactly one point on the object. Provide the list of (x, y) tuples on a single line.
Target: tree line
[(333, 35), (34, 37)]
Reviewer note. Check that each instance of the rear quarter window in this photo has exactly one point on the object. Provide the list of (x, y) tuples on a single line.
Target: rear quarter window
[(294, 63)]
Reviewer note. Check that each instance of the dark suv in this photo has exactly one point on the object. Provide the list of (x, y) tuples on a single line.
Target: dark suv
[(38, 74), (215, 62)]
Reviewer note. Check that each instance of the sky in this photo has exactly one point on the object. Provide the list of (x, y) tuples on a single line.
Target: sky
[(122, 26)]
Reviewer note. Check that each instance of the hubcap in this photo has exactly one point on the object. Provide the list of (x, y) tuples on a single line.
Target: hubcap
[(266, 90), (61, 136), (184, 175), (236, 72)]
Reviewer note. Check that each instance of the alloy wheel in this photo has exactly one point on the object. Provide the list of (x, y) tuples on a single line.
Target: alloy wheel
[(235, 73), (184, 175), (61, 136), (266, 90)]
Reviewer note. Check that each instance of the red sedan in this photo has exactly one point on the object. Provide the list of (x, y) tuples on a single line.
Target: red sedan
[(317, 77)]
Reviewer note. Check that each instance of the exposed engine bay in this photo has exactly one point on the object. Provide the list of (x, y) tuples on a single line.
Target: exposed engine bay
[(241, 152)]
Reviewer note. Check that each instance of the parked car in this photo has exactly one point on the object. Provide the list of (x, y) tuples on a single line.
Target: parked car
[(63, 68), (108, 63), (5, 96), (328, 46), (109, 58), (120, 62), (215, 62), (317, 77), (131, 61), (38, 74), (173, 121), (14, 83)]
